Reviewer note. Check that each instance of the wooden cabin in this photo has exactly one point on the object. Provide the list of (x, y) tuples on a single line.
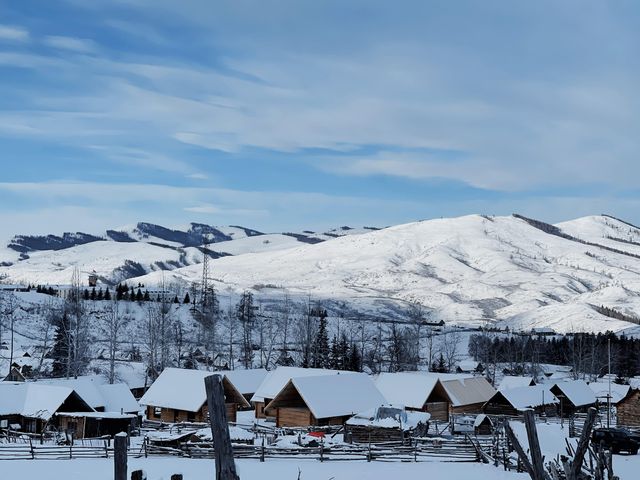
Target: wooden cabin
[(179, 395), (275, 380), (513, 401), (323, 400), (31, 407), (575, 396), (246, 382), (417, 391), (386, 423), (628, 409), (95, 424), (483, 425)]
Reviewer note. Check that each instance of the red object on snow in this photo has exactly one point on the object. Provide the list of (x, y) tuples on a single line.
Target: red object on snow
[(317, 434)]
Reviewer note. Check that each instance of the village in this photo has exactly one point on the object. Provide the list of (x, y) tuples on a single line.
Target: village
[(317, 414)]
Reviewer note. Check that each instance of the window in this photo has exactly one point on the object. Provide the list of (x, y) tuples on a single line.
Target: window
[(157, 412)]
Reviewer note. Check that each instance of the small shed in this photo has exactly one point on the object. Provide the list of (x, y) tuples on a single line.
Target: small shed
[(323, 400), (179, 395), (575, 396), (483, 425), (387, 423), (513, 401), (95, 424), (628, 409)]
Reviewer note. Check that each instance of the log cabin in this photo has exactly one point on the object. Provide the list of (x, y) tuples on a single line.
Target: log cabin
[(323, 400), (628, 409), (513, 401), (575, 396), (179, 395), (467, 394), (387, 423), (276, 380), (417, 391), (31, 407)]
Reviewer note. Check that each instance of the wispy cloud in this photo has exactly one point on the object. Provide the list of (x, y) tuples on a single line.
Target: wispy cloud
[(82, 45), (13, 33)]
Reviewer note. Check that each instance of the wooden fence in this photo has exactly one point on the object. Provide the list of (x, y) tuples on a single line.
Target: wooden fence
[(453, 450)]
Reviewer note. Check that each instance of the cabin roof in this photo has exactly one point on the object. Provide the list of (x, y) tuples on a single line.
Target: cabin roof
[(246, 381), (468, 390), (117, 397), (276, 379), (514, 381), (329, 396), (601, 391), (182, 389), (411, 389), (522, 398), (34, 400), (577, 392)]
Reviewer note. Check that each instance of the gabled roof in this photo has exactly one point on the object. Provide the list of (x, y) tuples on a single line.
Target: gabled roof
[(118, 398), (513, 381), (278, 378), (601, 391), (522, 398), (246, 381), (332, 395), (577, 392), (410, 389), (86, 386), (182, 389), (34, 400), (468, 390)]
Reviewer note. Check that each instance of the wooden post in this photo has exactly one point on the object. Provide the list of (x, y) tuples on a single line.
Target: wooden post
[(225, 464), (522, 456), (176, 476), (583, 444), (120, 456), (534, 445)]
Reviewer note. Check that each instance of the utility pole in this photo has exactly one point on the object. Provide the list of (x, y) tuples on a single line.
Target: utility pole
[(609, 378), (204, 300)]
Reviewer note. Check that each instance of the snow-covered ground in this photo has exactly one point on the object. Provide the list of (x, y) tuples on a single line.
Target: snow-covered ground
[(163, 468)]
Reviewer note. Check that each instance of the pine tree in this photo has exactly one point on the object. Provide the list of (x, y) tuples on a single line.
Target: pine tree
[(335, 354), (86, 294), (100, 294), (93, 293), (61, 351), (355, 359), (175, 299), (139, 296), (441, 365), (322, 353), (107, 294), (187, 299), (147, 297)]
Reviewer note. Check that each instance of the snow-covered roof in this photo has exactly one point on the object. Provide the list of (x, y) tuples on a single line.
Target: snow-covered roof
[(32, 400), (406, 388), (389, 416), (601, 391), (577, 392), (513, 381), (333, 395), (118, 398), (468, 390), (86, 386), (468, 365), (522, 398), (246, 381), (182, 389), (278, 378)]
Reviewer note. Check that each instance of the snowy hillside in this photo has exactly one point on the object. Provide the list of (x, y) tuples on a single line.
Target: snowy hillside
[(469, 270), (472, 270), (135, 250)]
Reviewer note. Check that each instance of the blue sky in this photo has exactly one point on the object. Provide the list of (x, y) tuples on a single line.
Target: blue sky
[(303, 114)]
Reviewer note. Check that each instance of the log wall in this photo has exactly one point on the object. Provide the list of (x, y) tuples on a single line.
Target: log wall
[(629, 410)]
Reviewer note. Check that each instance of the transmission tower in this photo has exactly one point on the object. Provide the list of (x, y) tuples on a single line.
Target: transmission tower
[(204, 300)]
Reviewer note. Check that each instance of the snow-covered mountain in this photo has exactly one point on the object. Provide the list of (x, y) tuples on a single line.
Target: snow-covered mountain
[(135, 250), (474, 270)]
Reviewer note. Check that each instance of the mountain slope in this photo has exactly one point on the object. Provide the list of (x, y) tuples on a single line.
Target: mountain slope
[(467, 270)]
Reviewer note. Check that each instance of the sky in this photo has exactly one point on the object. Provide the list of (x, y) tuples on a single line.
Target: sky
[(294, 114)]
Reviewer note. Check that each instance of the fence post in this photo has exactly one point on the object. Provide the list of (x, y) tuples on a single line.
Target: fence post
[(120, 456), (262, 451), (225, 464), (106, 450), (145, 443), (138, 475), (33, 455), (321, 452)]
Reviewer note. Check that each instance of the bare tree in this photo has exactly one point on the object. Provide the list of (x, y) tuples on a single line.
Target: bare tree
[(8, 307), (79, 324), (450, 347), (113, 324)]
